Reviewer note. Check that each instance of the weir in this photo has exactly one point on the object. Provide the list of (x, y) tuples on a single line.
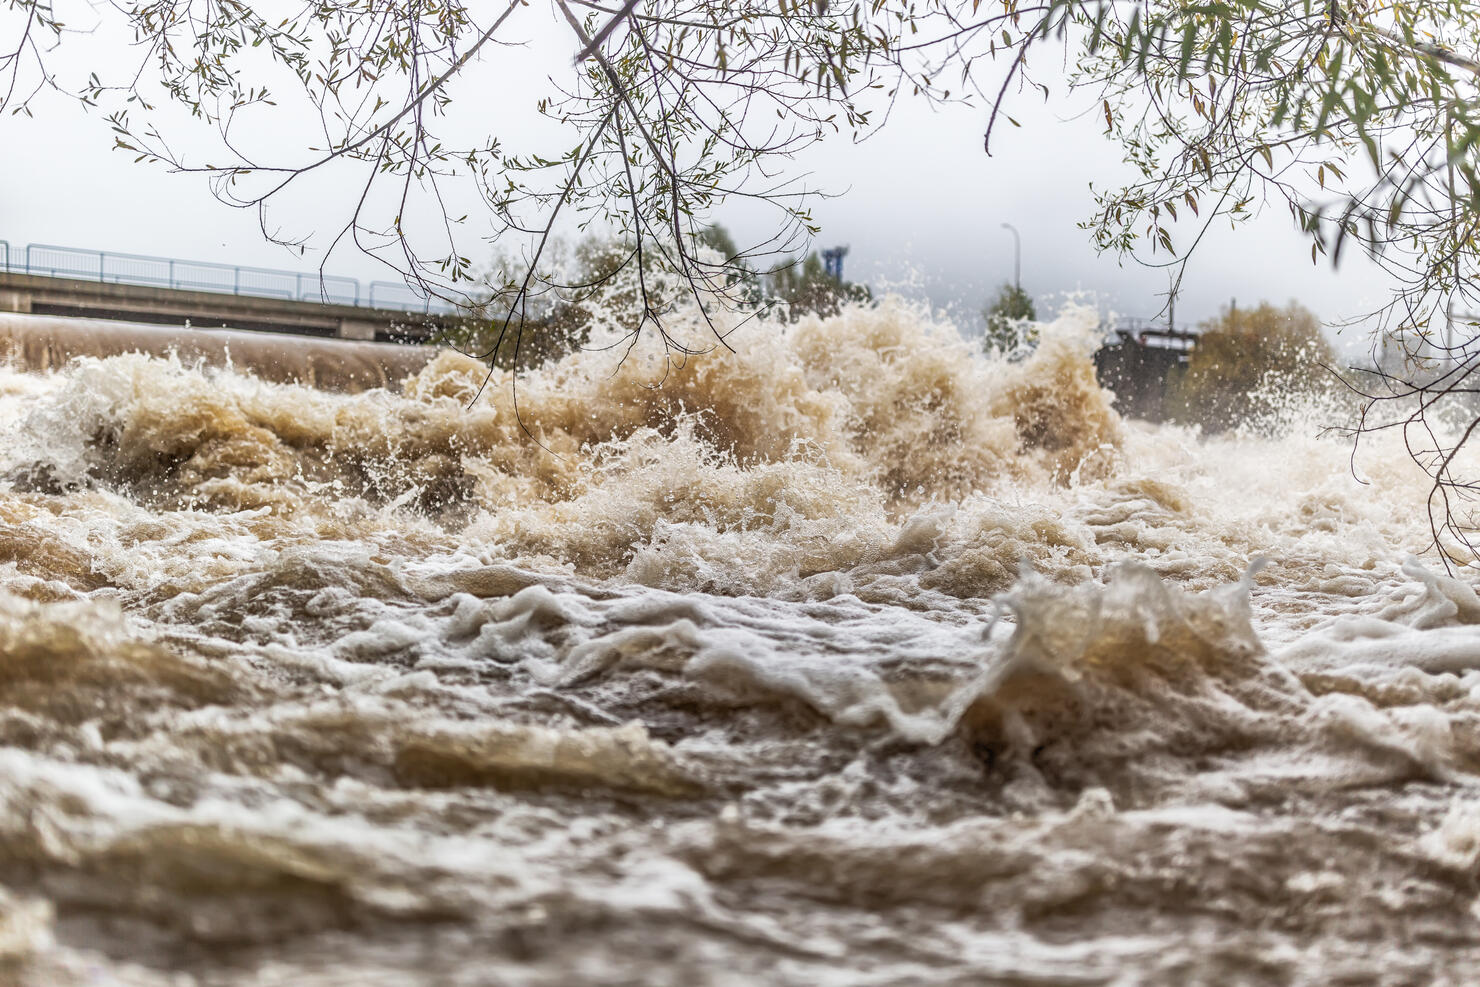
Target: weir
[(43, 342)]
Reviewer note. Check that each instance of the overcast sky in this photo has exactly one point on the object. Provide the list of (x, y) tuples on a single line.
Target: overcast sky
[(921, 207)]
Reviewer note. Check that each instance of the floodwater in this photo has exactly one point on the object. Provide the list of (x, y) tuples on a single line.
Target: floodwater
[(853, 657)]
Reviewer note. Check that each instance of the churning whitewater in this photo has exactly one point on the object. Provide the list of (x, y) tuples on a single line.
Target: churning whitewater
[(851, 657)]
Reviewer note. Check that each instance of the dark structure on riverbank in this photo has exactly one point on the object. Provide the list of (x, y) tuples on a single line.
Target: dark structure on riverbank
[(1138, 363)]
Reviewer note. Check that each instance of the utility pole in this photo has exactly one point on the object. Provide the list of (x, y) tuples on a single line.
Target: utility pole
[(1017, 257)]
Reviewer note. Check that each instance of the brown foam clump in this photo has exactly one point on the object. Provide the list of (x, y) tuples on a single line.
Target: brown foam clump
[(987, 542), (812, 444), (663, 508), (75, 661), (1115, 685), (1059, 409), (28, 541), (1140, 686), (621, 759), (207, 873)]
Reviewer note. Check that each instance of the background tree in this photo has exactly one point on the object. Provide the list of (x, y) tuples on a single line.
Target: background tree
[(579, 281), (1005, 318), (1245, 354), (801, 287), (587, 281)]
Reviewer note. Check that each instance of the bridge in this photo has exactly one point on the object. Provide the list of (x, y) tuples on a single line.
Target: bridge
[(43, 279)]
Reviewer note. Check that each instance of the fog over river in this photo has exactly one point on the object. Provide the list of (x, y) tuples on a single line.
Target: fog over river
[(852, 657)]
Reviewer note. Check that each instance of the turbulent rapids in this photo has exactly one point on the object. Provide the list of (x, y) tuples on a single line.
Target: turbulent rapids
[(853, 657)]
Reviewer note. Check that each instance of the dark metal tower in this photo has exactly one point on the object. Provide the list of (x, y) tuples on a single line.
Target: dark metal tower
[(832, 260)]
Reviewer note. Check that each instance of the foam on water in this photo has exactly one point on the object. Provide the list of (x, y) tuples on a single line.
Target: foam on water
[(851, 657)]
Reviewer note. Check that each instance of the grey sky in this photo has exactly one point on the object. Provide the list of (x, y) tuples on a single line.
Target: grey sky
[(921, 207)]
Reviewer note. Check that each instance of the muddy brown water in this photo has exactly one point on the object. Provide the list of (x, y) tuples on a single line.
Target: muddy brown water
[(851, 658)]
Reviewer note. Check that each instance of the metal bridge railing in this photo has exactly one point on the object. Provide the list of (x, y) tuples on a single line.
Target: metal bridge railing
[(166, 272), (395, 295)]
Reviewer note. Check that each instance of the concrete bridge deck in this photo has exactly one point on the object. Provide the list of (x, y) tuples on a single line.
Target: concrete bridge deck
[(79, 298)]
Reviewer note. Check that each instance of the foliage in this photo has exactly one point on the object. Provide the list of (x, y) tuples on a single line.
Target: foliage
[(1005, 318), (1350, 114), (579, 284), (560, 310), (589, 281), (1362, 119), (801, 287), (675, 105), (1247, 352)]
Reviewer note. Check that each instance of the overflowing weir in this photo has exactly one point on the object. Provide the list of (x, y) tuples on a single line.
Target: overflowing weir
[(44, 343)]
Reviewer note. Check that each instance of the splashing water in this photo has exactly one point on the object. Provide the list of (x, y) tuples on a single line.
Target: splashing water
[(852, 657)]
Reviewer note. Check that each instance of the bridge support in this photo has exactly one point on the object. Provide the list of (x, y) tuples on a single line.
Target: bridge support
[(15, 301), (359, 328)]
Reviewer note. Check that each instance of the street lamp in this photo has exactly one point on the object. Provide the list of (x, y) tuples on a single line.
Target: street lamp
[(1017, 257)]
